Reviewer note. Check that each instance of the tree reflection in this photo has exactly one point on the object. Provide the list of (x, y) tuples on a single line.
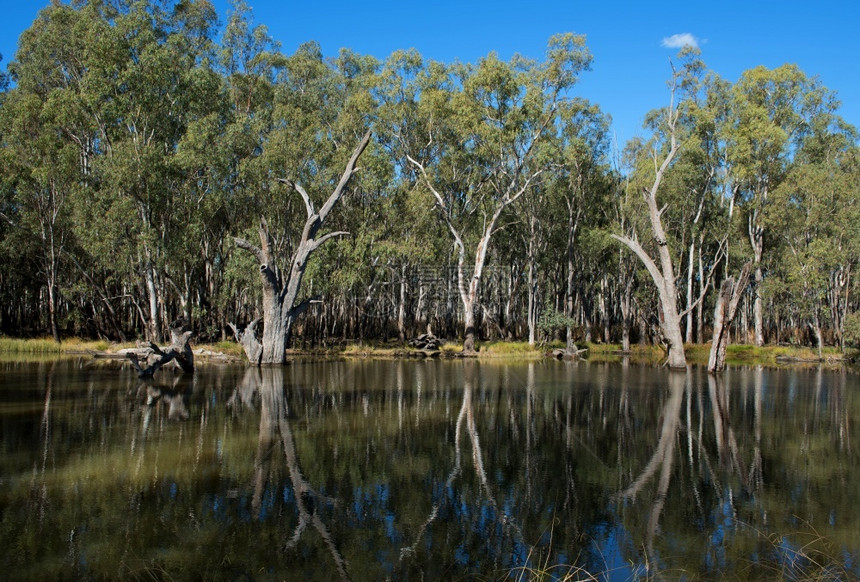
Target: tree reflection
[(730, 456), (466, 429), (275, 428), (433, 470), (662, 459)]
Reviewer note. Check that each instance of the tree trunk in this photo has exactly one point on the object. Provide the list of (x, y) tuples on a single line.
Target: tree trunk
[(625, 315), (815, 325), (730, 296), (280, 293), (532, 307), (153, 330), (662, 275), (469, 322), (756, 235), (758, 311), (401, 306), (689, 319)]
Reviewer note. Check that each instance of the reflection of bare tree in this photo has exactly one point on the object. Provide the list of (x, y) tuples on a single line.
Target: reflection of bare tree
[(756, 474), (662, 458), (465, 421), (727, 444), (274, 423)]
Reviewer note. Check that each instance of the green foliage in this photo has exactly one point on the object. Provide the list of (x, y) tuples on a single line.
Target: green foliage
[(852, 330), (552, 321), (139, 138)]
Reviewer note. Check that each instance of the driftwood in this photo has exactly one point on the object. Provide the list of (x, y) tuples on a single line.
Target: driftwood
[(562, 354), (427, 342), (179, 351), (247, 338), (731, 292)]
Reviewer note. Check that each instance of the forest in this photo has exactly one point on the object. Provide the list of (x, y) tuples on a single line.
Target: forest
[(158, 166)]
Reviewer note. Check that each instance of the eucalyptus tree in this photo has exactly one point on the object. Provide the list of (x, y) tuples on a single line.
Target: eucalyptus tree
[(48, 136), (475, 140), (582, 171), (318, 131), (772, 111), (164, 81), (815, 215), (40, 173), (223, 136), (702, 209), (120, 83), (664, 147)]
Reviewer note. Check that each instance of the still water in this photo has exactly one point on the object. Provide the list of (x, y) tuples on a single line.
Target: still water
[(428, 470)]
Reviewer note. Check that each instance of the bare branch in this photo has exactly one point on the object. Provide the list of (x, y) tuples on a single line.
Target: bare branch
[(344, 179), (309, 204), (637, 249), (439, 199), (314, 245), (245, 245)]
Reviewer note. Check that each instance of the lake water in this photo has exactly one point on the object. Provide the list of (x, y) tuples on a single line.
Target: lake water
[(428, 470)]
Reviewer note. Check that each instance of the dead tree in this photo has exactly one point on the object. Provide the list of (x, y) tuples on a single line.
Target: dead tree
[(247, 338), (179, 351), (281, 288), (731, 292)]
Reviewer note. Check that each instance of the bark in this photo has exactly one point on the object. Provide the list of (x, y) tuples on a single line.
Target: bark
[(731, 292), (664, 275), (626, 308), (281, 290), (178, 351), (247, 338), (689, 319), (756, 235), (401, 305), (153, 330), (532, 303), (573, 214)]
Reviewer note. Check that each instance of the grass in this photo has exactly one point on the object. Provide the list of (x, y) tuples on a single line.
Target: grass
[(49, 346), (737, 354), (229, 348), (509, 349)]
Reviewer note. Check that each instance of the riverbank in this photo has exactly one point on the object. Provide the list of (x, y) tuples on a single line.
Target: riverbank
[(737, 354)]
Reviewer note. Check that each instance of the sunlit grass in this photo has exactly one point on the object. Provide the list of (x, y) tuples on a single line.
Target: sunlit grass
[(737, 354), (804, 556), (227, 347), (49, 346), (509, 349)]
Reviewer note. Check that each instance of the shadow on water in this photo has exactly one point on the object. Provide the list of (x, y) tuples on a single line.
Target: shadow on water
[(369, 470)]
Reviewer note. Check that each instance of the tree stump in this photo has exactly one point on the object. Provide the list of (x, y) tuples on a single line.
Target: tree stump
[(247, 338), (731, 292)]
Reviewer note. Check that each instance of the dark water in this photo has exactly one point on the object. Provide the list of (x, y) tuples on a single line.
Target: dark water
[(429, 470)]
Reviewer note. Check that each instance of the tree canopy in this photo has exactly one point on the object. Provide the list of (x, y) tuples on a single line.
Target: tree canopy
[(143, 145)]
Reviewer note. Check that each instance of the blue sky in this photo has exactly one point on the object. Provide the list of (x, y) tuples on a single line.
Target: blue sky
[(626, 38)]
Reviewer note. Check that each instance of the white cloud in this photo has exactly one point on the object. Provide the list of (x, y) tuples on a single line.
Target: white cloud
[(680, 41)]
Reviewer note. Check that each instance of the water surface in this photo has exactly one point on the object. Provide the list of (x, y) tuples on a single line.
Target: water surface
[(371, 470)]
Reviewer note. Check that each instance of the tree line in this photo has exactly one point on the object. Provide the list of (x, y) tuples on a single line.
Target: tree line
[(158, 166)]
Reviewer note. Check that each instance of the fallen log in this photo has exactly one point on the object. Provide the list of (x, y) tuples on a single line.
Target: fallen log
[(426, 341), (179, 351), (563, 354)]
